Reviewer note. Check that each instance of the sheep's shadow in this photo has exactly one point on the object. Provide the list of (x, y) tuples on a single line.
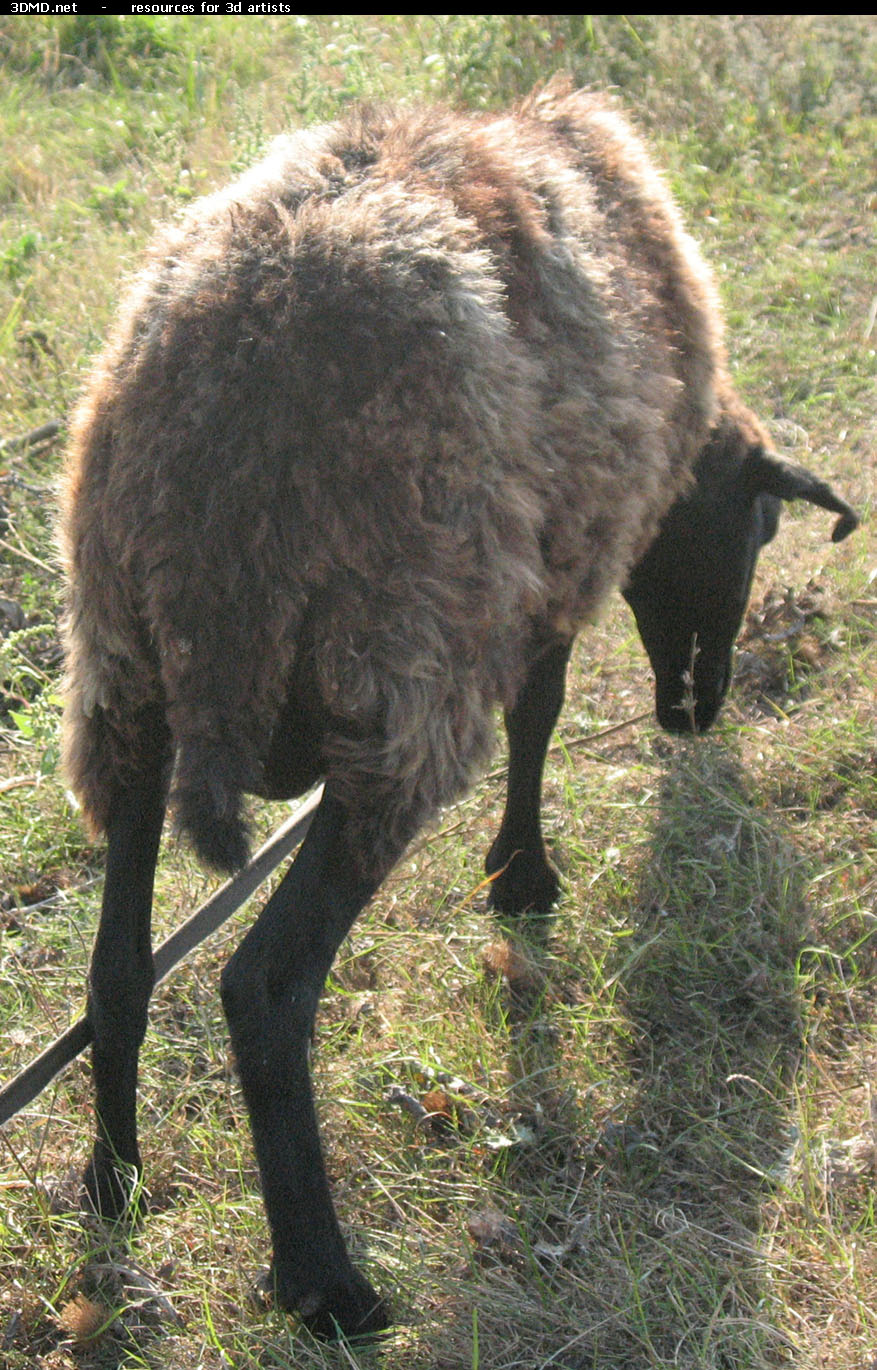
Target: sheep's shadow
[(673, 1177)]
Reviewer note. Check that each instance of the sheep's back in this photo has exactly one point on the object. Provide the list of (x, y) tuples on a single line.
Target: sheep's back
[(443, 373)]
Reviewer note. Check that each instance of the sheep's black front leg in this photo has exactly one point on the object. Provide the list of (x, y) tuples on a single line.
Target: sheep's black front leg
[(526, 879), (270, 990), (119, 986)]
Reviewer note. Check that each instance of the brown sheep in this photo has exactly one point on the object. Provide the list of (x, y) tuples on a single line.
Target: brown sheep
[(380, 426)]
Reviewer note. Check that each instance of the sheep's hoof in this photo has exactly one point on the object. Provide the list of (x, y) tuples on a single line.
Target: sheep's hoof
[(349, 1309), (114, 1192), (527, 883)]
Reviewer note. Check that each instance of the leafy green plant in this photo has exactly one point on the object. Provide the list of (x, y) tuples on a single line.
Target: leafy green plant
[(17, 259)]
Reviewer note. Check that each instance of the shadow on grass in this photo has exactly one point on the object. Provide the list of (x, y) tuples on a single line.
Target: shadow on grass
[(657, 1204), (711, 996)]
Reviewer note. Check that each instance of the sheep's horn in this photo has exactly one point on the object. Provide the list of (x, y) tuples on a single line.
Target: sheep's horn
[(770, 475)]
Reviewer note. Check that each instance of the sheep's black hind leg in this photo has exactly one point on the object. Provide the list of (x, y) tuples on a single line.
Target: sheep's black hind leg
[(526, 880), (120, 983), (270, 990)]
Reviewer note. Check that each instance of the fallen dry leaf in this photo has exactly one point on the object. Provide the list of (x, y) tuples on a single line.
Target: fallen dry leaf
[(501, 958), (84, 1319)]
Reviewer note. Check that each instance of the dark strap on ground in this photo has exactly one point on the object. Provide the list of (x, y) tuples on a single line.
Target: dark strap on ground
[(31, 1081)]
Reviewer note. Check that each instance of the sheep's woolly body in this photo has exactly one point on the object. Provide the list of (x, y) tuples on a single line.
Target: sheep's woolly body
[(410, 390)]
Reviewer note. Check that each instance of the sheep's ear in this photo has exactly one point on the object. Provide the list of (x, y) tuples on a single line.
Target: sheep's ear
[(769, 475)]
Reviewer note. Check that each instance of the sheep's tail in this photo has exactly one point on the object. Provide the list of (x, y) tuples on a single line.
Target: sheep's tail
[(225, 665), (106, 751), (209, 780), (119, 734)]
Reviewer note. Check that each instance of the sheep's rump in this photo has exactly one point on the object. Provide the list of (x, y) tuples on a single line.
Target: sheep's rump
[(425, 382)]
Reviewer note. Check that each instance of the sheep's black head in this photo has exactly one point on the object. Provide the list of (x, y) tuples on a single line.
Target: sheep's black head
[(690, 590)]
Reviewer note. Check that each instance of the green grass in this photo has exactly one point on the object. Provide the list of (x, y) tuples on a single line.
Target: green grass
[(657, 1132)]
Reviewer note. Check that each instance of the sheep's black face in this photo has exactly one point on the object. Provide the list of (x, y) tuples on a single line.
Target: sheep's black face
[(689, 592)]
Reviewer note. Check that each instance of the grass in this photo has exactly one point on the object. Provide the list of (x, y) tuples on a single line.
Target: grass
[(653, 1131)]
